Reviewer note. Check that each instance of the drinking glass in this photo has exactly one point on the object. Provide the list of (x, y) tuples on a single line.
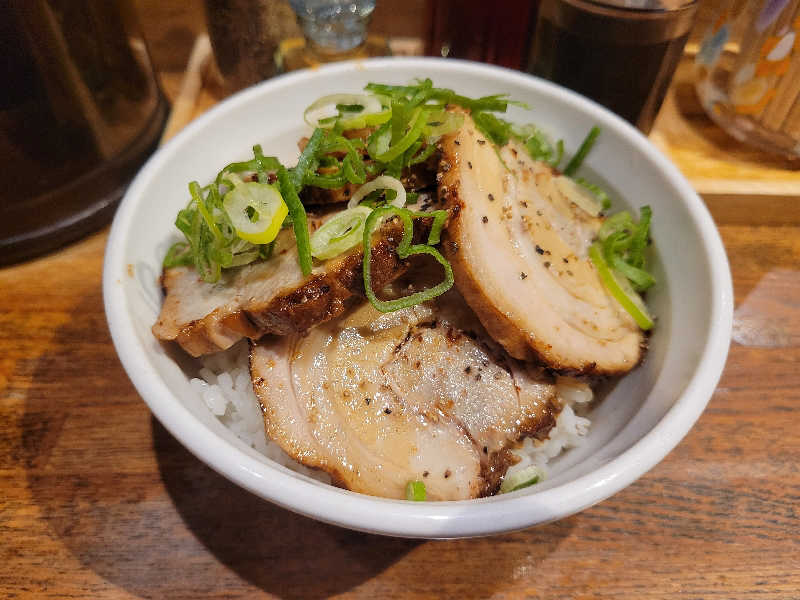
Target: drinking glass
[(333, 30), (620, 53), (748, 73)]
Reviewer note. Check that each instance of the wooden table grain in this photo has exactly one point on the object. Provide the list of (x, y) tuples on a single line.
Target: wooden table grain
[(98, 500)]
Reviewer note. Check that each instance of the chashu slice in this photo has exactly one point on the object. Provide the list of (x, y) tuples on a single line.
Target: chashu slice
[(271, 296), (417, 395), (519, 249)]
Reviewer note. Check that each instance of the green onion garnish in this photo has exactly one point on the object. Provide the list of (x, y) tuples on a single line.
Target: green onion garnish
[(404, 250), (521, 479), (256, 211), (575, 162), (339, 233), (618, 288), (299, 220), (415, 491)]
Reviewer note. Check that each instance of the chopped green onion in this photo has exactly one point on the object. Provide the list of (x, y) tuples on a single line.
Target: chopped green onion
[(597, 191), (178, 255), (380, 140), (640, 237), (416, 125), (384, 182), (620, 221), (299, 219), (575, 162), (361, 122), (578, 195), (619, 289), (197, 195), (339, 233), (367, 104), (521, 479), (415, 491), (261, 200), (426, 153), (441, 122), (496, 129), (303, 169), (404, 250), (624, 242)]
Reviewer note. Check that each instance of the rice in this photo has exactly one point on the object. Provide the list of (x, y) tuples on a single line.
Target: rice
[(224, 384)]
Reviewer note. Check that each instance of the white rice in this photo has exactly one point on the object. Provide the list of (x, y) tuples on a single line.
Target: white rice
[(224, 384)]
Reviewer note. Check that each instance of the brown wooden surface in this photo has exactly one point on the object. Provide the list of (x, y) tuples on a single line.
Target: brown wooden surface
[(99, 501)]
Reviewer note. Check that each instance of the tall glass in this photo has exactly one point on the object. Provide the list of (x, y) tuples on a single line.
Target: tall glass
[(621, 53), (748, 73), (80, 110), (333, 30)]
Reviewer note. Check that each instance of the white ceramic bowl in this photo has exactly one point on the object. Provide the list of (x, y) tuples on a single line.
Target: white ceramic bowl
[(637, 424)]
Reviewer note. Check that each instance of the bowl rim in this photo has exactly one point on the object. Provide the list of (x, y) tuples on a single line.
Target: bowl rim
[(395, 517)]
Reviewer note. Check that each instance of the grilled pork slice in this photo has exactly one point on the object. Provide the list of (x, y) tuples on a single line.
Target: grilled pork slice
[(271, 296), (519, 245), (417, 395)]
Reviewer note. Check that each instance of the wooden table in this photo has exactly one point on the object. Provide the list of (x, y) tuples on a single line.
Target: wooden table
[(99, 501)]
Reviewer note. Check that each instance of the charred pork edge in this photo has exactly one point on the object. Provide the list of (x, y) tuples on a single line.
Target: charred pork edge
[(320, 299)]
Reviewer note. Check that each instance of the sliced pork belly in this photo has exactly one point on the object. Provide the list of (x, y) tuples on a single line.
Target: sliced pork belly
[(420, 394), (519, 249), (271, 296)]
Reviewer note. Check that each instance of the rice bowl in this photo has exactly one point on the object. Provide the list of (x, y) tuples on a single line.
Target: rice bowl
[(638, 422)]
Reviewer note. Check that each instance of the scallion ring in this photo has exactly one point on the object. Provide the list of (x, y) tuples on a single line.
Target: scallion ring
[(521, 479), (256, 211), (339, 233), (384, 182), (324, 106)]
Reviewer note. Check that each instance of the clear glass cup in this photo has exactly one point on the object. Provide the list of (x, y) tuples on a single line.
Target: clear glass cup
[(748, 73), (620, 53), (333, 30)]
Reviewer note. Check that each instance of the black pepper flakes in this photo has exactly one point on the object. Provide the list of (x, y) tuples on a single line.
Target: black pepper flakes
[(367, 400), (456, 142), (486, 450), (469, 164), (539, 249), (547, 264), (491, 197), (425, 473), (468, 369), (485, 219), (387, 410), (523, 275), (566, 261), (481, 142), (447, 473)]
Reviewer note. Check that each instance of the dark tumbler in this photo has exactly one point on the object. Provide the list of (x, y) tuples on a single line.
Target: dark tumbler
[(80, 110), (620, 54)]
